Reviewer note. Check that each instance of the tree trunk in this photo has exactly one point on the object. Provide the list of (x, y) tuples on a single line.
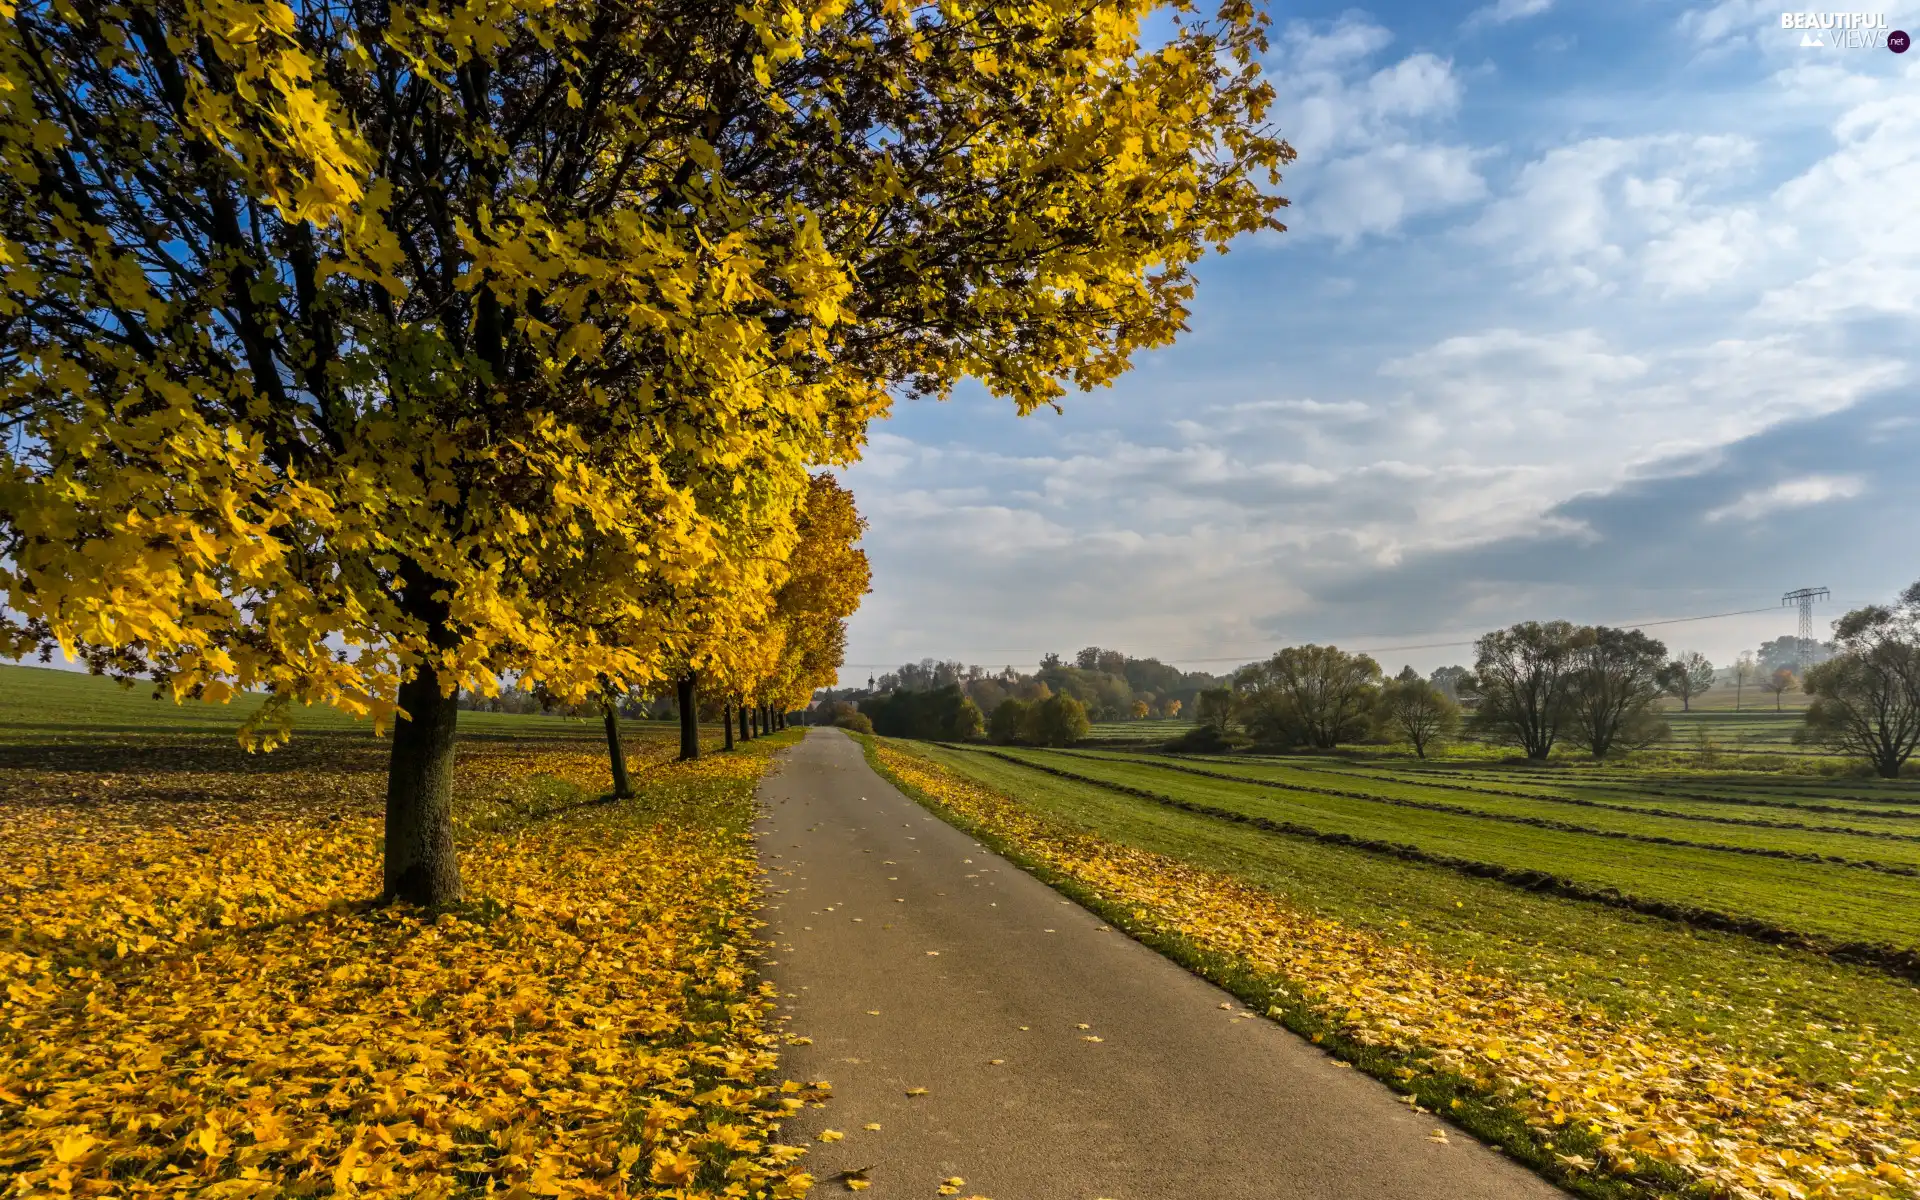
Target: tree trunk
[(622, 782), (687, 693), (726, 723), (420, 864), (746, 723)]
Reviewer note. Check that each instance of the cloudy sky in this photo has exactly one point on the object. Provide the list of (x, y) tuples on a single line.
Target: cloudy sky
[(1602, 310)]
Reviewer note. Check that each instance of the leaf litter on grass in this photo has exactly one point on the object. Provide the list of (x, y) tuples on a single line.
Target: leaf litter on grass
[(201, 1001)]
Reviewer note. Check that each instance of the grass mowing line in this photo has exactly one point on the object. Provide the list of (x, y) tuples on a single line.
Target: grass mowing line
[(1894, 960), (1607, 786), (1538, 779), (1895, 793), (1544, 798), (1460, 810)]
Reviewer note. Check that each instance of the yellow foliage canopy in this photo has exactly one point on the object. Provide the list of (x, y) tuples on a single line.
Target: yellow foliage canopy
[(343, 339)]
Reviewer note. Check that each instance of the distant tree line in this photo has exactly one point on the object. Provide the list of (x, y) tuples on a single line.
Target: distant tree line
[(1535, 686)]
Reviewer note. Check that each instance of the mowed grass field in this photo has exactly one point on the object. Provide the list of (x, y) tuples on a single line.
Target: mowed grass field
[(41, 702), (1792, 1005), (1154, 730)]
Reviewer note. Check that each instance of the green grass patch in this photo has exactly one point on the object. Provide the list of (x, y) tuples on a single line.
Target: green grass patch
[(1840, 903)]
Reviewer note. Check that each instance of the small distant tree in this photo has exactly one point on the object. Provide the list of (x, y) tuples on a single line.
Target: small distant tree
[(1418, 712), (847, 716), (1688, 676), (1320, 696), (1455, 683), (965, 722), (1787, 651), (1214, 709), (1009, 722), (1866, 699), (1058, 721), (1744, 674), (1522, 674), (1613, 688), (1172, 708), (1140, 710), (1780, 682)]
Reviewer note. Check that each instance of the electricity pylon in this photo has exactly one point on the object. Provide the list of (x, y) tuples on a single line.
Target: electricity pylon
[(1804, 598)]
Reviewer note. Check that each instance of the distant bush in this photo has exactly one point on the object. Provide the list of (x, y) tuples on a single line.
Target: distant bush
[(1009, 721), (945, 714), (1057, 721), (856, 721)]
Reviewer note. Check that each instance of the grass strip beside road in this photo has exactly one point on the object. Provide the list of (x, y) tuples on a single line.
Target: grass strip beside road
[(1608, 1100)]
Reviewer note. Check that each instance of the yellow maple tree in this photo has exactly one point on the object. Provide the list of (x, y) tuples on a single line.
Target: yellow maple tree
[(336, 334)]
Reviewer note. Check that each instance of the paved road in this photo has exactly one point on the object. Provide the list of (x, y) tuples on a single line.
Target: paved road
[(1061, 1061)]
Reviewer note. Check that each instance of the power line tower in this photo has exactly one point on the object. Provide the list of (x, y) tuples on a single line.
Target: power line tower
[(1803, 598)]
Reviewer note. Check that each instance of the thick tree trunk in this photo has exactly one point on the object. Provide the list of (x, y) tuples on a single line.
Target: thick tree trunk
[(420, 864), (746, 723), (726, 722), (687, 692), (622, 782)]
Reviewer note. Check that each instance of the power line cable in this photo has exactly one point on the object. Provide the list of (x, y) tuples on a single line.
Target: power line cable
[(1244, 658)]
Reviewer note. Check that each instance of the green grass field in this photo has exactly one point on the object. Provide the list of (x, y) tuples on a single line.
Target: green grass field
[(1155, 730), (1763, 999), (1827, 899), (38, 703)]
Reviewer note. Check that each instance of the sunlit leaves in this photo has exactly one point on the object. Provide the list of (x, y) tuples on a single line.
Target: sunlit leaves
[(503, 335)]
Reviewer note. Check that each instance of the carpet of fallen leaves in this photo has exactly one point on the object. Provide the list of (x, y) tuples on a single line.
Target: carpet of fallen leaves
[(199, 999), (1742, 1128)]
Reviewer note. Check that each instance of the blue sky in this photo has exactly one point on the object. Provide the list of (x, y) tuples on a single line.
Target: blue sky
[(1596, 310)]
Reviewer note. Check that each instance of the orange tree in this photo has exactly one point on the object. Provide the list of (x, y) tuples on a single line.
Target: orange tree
[(332, 331), (826, 579)]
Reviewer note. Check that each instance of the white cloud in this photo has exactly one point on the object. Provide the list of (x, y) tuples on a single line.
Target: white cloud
[(1376, 191), (1857, 220), (1371, 151), (1804, 492), (1732, 19), (1503, 11), (1468, 440), (1606, 211)]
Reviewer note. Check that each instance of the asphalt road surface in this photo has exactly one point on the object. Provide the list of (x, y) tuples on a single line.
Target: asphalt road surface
[(1059, 1060)]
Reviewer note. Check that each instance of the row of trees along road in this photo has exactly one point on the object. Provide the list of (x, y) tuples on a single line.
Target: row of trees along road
[(360, 353)]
